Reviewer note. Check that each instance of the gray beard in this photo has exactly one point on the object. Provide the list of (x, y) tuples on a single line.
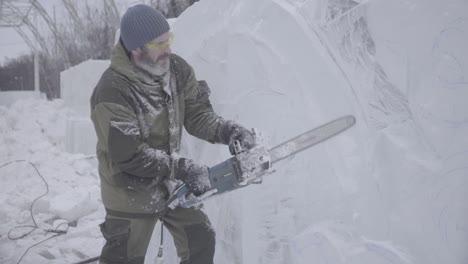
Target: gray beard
[(155, 68)]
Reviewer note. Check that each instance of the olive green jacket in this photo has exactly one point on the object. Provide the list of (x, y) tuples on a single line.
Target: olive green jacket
[(138, 122)]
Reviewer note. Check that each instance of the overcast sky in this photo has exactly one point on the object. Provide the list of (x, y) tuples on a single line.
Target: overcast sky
[(11, 44)]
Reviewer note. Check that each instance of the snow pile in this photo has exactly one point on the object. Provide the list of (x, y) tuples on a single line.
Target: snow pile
[(7, 98), (34, 131)]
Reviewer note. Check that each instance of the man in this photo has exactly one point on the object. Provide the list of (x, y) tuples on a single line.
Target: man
[(139, 108)]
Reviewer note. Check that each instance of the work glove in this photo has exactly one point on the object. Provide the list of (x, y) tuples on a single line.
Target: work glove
[(196, 177), (233, 132)]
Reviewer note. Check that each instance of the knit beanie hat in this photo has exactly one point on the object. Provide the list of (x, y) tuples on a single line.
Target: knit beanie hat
[(140, 24)]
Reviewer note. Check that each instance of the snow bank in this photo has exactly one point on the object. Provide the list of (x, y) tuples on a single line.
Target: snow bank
[(7, 98), (34, 131)]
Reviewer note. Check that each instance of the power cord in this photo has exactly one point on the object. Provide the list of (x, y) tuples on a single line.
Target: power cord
[(57, 231)]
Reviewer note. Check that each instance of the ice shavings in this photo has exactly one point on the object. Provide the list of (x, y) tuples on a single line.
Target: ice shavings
[(150, 155), (153, 104), (252, 164), (126, 127), (197, 174), (155, 156)]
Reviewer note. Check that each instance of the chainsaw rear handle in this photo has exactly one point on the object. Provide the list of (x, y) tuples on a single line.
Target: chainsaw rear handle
[(246, 167)]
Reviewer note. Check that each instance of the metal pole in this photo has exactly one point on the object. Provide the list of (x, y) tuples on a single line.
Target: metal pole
[(36, 74)]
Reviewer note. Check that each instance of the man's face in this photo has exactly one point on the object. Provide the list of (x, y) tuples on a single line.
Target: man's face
[(154, 56), (159, 48)]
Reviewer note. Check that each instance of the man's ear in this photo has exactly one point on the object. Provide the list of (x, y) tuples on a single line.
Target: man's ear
[(136, 53)]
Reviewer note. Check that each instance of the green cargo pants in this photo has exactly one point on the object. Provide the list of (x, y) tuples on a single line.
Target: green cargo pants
[(127, 238)]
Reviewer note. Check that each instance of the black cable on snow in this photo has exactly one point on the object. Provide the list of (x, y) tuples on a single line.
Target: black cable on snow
[(56, 231)]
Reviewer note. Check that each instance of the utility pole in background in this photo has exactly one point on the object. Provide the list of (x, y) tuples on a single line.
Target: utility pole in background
[(37, 83), (15, 14), (12, 15)]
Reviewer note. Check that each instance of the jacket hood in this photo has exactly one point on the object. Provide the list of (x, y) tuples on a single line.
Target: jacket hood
[(121, 63)]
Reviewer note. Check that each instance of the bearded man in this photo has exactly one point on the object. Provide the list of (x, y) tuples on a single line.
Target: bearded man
[(139, 108)]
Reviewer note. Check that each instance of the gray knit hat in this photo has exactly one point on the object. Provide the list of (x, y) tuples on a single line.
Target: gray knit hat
[(141, 24)]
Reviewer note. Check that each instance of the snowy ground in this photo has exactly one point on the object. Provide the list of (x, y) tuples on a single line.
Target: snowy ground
[(33, 130), (391, 190)]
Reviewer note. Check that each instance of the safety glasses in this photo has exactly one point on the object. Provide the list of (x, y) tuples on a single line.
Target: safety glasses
[(160, 46)]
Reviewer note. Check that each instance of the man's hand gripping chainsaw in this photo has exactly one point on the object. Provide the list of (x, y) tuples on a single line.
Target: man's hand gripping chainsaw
[(244, 168)]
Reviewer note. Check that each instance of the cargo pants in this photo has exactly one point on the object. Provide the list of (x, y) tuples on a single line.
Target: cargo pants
[(127, 238)]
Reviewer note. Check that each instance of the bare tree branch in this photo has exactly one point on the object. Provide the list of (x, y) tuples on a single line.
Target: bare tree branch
[(54, 30)]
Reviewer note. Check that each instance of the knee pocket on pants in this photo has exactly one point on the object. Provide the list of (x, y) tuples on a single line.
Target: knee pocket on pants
[(201, 243), (116, 233)]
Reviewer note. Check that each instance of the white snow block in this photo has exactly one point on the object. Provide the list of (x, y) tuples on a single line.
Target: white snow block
[(77, 84), (80, 136), (73, 205)]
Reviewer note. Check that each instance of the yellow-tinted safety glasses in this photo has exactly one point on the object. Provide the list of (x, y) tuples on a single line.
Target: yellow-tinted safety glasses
[(160, 46)]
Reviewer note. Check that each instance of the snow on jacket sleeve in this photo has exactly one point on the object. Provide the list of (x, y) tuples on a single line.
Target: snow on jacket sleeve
[(119, 138), (200, 119)]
